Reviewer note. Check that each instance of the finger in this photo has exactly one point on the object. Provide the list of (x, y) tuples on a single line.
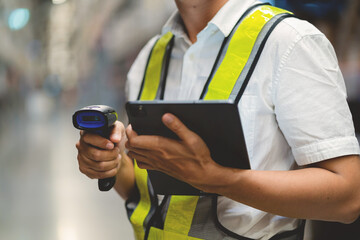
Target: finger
[(135, 154), (141, 160), (135, 141), (97, 175), (104, 166), (148, 142), (141, 153), (97, 154), (100, 166), (130, 133), (175, 125), (143, 165), (88, 166), (117, 132), (96, 141)]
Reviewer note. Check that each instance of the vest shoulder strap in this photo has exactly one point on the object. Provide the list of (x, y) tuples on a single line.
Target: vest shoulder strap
[(241, 52), (155, 69)]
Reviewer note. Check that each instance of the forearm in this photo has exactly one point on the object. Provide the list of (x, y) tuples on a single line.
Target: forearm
[(310, 193), (125, 178)]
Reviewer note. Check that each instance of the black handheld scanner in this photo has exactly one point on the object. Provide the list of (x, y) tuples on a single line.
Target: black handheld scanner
[(97, 119)]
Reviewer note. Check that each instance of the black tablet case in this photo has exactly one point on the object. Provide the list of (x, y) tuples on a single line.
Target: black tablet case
[(216, 122)]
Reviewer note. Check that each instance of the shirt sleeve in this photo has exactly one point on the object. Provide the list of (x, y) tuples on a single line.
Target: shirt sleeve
[(310, 103), (137, 70)]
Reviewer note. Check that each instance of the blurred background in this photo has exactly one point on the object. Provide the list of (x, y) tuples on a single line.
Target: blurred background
[(59, 55)]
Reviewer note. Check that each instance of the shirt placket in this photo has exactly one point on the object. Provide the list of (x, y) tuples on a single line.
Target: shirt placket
[(189, 72), (192, 67)]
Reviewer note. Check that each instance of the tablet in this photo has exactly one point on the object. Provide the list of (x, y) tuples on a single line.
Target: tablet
[(216, 122)]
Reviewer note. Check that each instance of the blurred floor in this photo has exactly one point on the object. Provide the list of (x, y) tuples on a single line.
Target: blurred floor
[(73, 53), (43, 196)]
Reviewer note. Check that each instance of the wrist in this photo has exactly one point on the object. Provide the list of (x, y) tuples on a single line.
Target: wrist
[(125, 180), (218, 179)]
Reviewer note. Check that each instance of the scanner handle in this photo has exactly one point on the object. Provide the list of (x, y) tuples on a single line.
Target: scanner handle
[(105, 184)]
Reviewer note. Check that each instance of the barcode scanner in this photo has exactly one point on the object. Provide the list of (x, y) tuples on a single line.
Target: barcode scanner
[(97, 119)]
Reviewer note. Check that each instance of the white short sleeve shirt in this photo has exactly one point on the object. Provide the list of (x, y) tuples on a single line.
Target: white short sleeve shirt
[(294, 110)]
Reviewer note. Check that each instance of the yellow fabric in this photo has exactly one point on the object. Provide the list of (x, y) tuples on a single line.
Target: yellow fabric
[(151, 84), (238, 52), (180, 214), (159, 234), (153, 71), (142, 210)]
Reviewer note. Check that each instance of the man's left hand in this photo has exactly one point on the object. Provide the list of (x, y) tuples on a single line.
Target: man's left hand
[(187, 159)]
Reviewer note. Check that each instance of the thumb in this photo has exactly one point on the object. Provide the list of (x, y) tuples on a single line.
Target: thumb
[(175, 125), (130, 132), (117, 132)]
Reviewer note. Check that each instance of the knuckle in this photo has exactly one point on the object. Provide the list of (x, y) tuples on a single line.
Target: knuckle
[(118, 164), (114, 152), (91, 176), (102, 166), (83, 170), (112, 172), (79, 158), (96, 175), (103, 142), (113, 164), (158, 141), (176, 126), (192, 141), (95, 155), (108, 174), (85, 138)]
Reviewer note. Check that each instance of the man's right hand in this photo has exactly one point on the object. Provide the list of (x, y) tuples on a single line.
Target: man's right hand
[(99, 157)]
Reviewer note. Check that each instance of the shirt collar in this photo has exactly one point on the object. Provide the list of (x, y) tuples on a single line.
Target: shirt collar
[(175, 25), (224, 20)]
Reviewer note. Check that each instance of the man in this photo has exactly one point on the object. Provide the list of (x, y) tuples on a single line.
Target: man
[(293, 112)]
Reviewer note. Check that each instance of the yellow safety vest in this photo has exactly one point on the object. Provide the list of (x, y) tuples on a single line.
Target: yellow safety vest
[(228, 79)]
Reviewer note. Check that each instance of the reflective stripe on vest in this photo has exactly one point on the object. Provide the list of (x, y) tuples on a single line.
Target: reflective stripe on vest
[(238, 52), (241, 50), (178, 219), (153, 70), (137, 218)]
